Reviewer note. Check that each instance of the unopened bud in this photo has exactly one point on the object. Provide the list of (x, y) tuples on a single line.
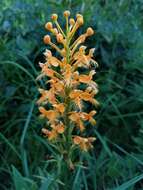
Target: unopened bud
[(89, 31), (48, 26), (55, 31), (72, 21), (54, 17), (80, 20), (67, 13), (59, 38), (47, 39), (78, 15)]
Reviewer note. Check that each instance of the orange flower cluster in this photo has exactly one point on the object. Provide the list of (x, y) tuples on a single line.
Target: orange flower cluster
[(65, 96)]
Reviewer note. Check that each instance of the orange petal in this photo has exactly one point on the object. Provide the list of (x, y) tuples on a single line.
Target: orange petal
[(81, 126), (54, 61), (91, 139), (92, 121), (45, 131), (47, 95), (95, 102), (75, 94), (58, 86), (43, 110), (51, 115), (84, 143), (48, 72), (60, 107), (77, 140), (85, 78), (84, 146), (84, 116), (92, 113), (60, 128), (52, 135), (86, 96), (74, 116)]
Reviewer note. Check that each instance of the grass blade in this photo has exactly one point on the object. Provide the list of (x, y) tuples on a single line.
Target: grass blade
[(10, 145), (23, 151), (129, 183)]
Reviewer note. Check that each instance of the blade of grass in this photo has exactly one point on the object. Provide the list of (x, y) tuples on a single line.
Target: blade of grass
[(10, 145), (23, 150), (103, 141), (20, 67), (129, 183), (29, 62), (127, 115), (125, 152), (84, 180), (77, 179), (46, 144)]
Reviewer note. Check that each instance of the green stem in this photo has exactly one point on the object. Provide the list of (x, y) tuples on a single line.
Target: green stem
[(60, 29), (67, 121), (68, 132)]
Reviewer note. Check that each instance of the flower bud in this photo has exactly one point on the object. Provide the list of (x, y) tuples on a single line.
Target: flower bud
[(48, 26), (47, 39), (54, 17), (80, 20), (72, 21), (78, 15), (66, 13), (55, 31), (89, 31), (59, 38)]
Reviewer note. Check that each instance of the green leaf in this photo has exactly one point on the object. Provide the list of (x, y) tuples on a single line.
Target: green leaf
[(22, 183)]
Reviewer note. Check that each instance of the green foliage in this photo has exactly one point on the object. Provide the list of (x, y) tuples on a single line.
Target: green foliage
[(26, 157)]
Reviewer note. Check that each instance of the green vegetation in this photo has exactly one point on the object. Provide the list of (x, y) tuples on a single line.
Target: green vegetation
[(116, 162)]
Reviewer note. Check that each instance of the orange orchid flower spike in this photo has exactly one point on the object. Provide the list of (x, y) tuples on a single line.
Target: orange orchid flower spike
[(62, 104)]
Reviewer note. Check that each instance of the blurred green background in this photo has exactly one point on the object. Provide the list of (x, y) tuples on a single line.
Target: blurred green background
[(116, 163)]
